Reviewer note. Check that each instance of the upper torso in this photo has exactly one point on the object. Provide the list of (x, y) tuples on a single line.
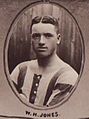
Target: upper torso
[(67, 76)]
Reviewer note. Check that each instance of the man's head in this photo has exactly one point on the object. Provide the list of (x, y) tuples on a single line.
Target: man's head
[(45, 35)]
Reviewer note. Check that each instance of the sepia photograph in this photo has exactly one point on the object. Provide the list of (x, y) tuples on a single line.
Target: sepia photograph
[(44, 59), (44, 54)]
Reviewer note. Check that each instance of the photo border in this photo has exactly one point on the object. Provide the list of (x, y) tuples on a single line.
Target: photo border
[(30, 5)]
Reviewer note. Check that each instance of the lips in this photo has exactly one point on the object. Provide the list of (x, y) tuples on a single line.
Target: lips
[(42, 48)]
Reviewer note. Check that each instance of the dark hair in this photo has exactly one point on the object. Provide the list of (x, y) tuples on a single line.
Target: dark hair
[(47, 20)]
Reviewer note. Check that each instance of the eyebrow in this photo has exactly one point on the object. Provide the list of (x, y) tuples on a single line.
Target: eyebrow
[(42, 33), (49, 34), (34, 34)]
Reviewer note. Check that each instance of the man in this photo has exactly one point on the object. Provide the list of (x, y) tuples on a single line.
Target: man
[(47, 80)]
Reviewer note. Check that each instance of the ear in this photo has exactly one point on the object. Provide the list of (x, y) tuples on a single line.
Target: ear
[(58, 39)]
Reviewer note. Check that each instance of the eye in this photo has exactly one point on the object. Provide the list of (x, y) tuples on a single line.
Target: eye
[(48, 35), (36, 35)]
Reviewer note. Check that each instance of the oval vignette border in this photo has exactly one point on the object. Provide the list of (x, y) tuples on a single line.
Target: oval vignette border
[(30, 5)]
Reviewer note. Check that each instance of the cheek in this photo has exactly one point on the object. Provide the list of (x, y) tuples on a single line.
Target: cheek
[(52, 42), (34, 44), (52, 45)]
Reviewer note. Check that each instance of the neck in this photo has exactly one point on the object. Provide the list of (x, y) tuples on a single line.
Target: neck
[(47, 61)]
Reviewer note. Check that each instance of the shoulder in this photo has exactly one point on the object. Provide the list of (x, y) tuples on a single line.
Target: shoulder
[(21, 68), (27, 64), (65, 67), (67, 74)]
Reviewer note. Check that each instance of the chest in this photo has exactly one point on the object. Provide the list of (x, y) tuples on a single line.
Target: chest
[(37, 82)]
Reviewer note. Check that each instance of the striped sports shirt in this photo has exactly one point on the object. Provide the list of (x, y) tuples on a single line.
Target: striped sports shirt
[(43, 89)]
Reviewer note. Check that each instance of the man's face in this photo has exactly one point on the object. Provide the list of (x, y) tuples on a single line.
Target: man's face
[(44, 39)]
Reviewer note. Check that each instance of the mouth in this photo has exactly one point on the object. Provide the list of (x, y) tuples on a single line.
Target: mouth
[(42, 49)]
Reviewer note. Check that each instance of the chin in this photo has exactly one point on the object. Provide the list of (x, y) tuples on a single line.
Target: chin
[(43, 55)]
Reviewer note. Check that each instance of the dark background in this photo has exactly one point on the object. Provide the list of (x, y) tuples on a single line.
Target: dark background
[(69, 50)]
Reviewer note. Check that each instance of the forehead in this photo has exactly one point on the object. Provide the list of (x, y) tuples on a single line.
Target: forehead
[(43, 27)]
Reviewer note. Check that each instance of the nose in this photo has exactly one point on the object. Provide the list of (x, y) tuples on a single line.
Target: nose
[(42, 40)]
